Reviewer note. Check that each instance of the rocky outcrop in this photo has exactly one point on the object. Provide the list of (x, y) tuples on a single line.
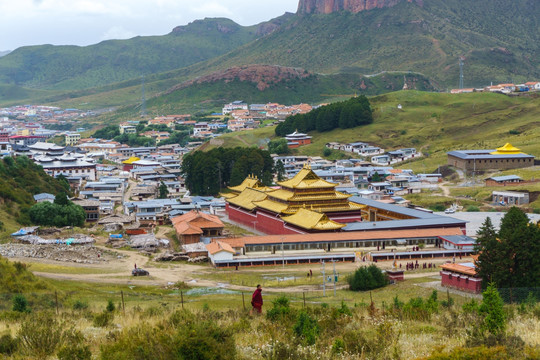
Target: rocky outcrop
[(354, 6), (262, 75)]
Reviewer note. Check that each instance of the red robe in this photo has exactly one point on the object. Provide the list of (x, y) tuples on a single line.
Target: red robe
[(257, 300)]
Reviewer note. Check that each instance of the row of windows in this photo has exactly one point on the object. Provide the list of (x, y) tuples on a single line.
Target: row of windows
[(497, 161)]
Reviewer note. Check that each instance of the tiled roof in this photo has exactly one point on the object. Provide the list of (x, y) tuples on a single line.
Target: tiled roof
[(342, 236), (247, 198), (217, 246), (306, 179), (461, 269), (308, 219)]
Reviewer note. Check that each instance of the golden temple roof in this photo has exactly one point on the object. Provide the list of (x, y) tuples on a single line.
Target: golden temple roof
[(507, 149), (273, 206), (306, 179), (247, 198), (312, 220), (249, 182), (131, 160)]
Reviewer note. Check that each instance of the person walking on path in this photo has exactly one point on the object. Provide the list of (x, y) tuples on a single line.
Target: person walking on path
[(257, 300)]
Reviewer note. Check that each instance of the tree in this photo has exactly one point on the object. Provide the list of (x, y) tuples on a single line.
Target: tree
[(511, 257), (492, 310), (367, 278), (280, 170), (163, 191), (279, 146), (376, 177), (61, 199)]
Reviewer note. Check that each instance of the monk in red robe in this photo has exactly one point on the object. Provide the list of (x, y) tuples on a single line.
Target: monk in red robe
[(257, 300)]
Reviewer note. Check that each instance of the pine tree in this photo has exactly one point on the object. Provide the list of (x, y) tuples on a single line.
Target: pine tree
[(493, 312)]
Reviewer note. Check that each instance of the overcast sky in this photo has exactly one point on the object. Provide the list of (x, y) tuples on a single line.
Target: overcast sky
[(85, 22)]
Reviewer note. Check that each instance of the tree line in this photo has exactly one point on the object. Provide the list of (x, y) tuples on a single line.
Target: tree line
[(206, 173), (346, 114)]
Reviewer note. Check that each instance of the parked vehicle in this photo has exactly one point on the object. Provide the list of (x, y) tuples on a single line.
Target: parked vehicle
[(139, 272)]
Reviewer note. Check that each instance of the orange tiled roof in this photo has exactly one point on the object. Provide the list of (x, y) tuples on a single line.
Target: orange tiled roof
[(217, 246), (458, 268), (342, 236), (193, 222)]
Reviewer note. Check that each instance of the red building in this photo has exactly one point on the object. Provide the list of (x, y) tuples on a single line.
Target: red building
[(303, 204), (297, 139), (462, 277)]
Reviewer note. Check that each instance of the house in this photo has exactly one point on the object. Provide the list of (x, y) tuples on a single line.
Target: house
[(503, 180), (193, 225), (90, 207), (297, 139), (461, 277), (503, 158), (220, 251), (510, 198), (235, 105), (39, 198), (72, 138)]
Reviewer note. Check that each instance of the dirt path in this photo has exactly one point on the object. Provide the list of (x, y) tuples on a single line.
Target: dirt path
[(443, 186)]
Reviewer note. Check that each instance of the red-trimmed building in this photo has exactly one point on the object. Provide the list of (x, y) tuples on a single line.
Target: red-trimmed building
[(303, 204), (462, 277), (297, 139)]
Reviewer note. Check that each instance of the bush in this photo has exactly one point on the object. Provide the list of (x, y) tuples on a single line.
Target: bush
[(20, 304), (8, 344), (280, 309), (74, 349), (80, 305), (103, 319), (472, 208), (110, 306), (306, 328), (367, 278), (40, 335)]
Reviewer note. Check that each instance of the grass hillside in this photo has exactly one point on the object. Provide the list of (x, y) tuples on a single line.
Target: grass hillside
[(434, 123), (74, 67), (20, 179), (499, 38)]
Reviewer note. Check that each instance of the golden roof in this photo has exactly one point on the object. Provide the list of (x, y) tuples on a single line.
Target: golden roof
[(327, 207), (274, 206), (306, 179), (249, 182), (246, 198), (312, 220), (131, 160), (507, 149)]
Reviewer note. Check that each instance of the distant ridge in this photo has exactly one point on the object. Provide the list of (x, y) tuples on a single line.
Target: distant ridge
[(354, 6)]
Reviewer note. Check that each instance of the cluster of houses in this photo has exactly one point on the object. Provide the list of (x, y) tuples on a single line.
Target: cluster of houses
[(246, 117), (502, 88), (375, 154)]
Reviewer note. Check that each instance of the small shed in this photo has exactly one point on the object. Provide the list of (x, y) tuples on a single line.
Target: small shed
[(510, 197), (220, 251), (461, 277)]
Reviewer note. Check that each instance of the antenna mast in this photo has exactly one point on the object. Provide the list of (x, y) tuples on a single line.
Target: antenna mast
[(461, 63)]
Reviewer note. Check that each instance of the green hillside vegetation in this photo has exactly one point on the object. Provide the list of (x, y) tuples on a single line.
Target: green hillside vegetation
[(499, 38), (20, 179), (74, 67), (343, 115), (434, 123), (16, 278)]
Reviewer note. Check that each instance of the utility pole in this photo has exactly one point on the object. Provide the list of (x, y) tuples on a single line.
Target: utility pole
[(323, 280), (282, 252)]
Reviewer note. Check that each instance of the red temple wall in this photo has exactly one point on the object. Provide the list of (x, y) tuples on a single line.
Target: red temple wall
[(461, 282)]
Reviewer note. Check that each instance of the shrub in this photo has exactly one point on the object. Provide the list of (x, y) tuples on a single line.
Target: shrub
[(110, 306), (103, 319), (367, 278), (75, 352), (8, 344), (438, 207), (472, 208), (338, 346), (20, 304), (280, 309), (306, 328), (40, 335), (80, 305)]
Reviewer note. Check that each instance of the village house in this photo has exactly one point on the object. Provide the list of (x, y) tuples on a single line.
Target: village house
[(193, 226)]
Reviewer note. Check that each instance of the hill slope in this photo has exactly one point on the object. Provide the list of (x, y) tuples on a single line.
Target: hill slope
[(74, 67), (434, 123), (499, 38)]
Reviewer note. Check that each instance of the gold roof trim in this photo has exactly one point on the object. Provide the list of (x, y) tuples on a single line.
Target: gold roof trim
[(306, 179), (312, 220), (247, 198), (249, 182), (274, 206), (507, 149)]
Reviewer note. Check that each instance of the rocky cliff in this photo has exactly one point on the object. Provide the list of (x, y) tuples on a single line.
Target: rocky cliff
[(330, 6)]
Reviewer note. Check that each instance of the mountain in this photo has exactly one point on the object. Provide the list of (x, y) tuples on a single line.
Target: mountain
[(4, 53), (74, 67), (354, 6), (500, 40), (264, 83)]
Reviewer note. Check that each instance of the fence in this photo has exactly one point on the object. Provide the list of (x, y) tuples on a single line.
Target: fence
[(226, 299)]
